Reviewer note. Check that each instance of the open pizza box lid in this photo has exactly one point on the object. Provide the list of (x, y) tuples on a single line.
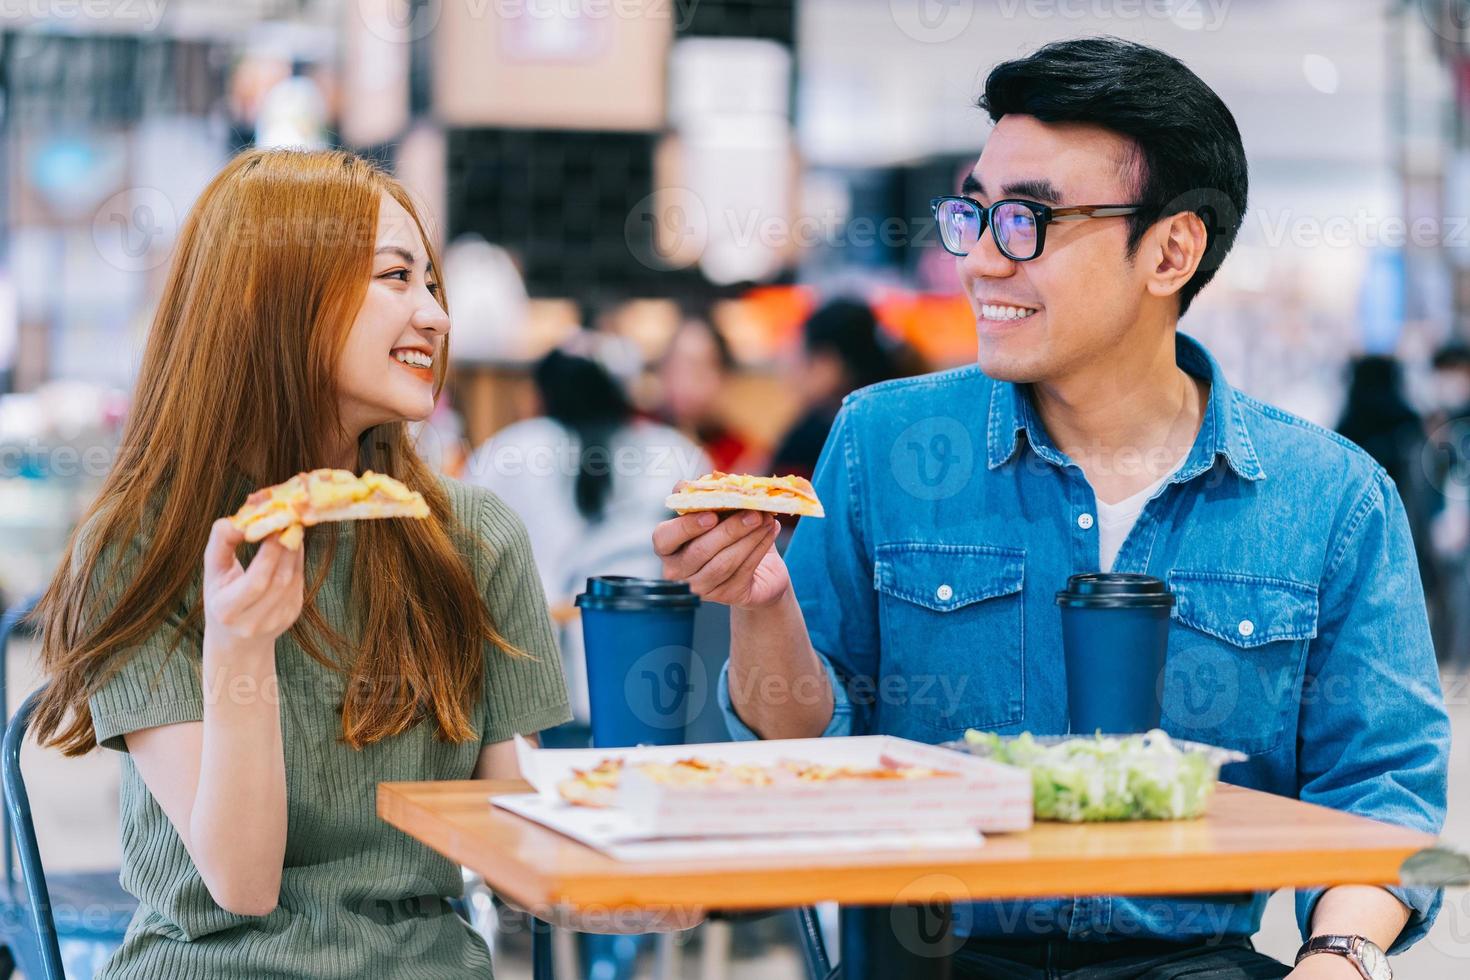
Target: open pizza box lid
[(981, 796)]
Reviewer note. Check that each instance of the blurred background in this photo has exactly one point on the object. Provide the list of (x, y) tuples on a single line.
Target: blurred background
[(697, 224)]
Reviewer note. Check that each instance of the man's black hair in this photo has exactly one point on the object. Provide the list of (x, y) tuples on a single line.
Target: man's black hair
[(1189, 153)]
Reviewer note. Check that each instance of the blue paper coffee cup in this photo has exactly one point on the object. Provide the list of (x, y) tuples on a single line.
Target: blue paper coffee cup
[(1115, 635), (638, 635)]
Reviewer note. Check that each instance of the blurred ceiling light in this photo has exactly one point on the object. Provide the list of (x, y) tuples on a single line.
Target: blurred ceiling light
[(1321, 73), (293, 113)]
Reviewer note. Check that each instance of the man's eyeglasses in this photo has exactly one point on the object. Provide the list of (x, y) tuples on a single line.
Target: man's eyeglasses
[(1019, 227)]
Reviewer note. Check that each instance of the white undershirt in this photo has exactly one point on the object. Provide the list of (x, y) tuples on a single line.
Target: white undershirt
[(1114, 521)]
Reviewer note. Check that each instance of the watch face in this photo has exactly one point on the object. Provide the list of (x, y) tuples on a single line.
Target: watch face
[(1374, 961)]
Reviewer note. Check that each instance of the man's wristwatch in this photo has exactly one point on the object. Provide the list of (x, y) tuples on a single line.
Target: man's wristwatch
[(1360, 951)]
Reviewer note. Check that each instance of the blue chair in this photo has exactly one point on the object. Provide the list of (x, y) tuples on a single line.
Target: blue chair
[(95, 906)]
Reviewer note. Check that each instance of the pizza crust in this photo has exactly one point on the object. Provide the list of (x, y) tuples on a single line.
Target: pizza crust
[(281, 520), (320, 496), (367, 510), (691, 501), (739, 491)]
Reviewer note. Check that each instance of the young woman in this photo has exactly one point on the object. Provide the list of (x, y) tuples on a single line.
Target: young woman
[(259, 701)]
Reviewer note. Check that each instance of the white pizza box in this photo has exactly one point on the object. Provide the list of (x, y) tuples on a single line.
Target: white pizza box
[(614, 833), (983, 796)]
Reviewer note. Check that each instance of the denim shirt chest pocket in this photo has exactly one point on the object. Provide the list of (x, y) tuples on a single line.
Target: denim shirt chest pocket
[(952, 628), (1237, 646)]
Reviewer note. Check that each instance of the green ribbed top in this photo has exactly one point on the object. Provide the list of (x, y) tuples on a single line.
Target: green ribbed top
[(359, 899)]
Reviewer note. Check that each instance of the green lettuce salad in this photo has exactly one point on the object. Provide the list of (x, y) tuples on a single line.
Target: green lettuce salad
[(1132, 777)]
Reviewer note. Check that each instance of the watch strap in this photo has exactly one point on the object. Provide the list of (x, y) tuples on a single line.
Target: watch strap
[(1344, 946)]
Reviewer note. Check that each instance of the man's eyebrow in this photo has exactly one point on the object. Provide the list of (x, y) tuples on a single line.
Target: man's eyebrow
[(1037, 190)]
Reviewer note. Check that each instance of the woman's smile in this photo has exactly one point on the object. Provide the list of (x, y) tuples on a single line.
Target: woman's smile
[(416, 361)]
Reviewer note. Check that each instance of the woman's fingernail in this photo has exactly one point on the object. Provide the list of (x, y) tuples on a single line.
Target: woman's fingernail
[(708, 520), (751, 518)]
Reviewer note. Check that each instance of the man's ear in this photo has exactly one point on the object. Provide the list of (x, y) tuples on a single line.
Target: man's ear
[(1177, 244)]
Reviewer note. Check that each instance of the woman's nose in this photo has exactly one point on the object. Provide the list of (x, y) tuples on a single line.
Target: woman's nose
[(431, 317)]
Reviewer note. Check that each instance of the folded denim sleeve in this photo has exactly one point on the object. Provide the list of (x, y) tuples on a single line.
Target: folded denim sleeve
[(841, 723), (832, 575), (1374, 735)]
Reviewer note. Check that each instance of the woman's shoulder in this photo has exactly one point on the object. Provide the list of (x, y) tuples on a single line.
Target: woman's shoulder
[(482, 512)]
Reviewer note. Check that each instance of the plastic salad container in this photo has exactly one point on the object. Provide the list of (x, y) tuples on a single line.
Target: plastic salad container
[(1078, 778)]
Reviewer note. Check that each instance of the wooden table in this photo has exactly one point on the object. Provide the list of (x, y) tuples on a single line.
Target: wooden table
[(1249, 841)]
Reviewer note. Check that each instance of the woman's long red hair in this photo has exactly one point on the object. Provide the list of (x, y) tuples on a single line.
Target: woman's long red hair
[(236, 391)]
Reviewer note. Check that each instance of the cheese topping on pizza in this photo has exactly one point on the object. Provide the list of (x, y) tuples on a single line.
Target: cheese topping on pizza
[(596, 787), (324, 495)]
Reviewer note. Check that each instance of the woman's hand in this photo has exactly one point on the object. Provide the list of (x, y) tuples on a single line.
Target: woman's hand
[(250, 608)]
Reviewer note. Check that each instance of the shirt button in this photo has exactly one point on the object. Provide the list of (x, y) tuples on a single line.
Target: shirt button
[(1084, 521), (1246, 627), (944, 592)]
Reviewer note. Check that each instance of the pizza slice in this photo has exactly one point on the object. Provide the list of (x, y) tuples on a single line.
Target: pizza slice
[(321, 496), (734, 491), (597, 787)]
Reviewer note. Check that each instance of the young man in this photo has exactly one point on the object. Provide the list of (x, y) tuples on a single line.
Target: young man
[(1092, 435)]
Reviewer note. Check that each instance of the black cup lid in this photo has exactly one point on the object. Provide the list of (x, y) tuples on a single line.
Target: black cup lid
[(627, 592), (1115, 590)]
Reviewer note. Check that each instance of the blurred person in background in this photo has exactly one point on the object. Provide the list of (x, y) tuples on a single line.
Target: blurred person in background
[(1446, 464), (419, 649), (1378, 417), (693, 376), (589, 478), (1451, 384), (840, 353)]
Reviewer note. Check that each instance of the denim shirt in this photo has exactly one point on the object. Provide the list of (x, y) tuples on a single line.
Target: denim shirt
[(1299, 634)]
